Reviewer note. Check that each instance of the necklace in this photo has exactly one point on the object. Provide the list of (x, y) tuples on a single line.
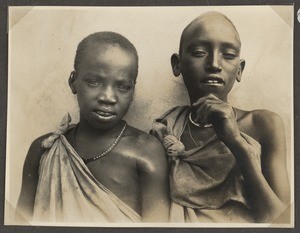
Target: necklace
[(198, 124), (206, 125), (112, 146), (190, 133)]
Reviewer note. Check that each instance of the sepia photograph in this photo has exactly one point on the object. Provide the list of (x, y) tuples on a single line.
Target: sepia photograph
[(150, 116)]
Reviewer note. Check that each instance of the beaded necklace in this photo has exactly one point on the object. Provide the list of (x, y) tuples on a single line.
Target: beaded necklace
[(112, 146)]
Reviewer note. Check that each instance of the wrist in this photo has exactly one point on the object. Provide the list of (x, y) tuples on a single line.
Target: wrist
[(236, 143)]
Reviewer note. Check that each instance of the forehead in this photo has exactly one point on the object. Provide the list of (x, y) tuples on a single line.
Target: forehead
[(211, 29), (106, 54)]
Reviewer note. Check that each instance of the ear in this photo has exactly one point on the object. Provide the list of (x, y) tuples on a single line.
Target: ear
[(175, 62), (71, 82), (240, 70)]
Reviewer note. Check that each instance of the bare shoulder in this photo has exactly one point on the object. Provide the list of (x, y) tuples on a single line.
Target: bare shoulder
[(35, 151), (264, 124), (266, 117), (36, 145), (144, 140), (149, 150), (267, 121)]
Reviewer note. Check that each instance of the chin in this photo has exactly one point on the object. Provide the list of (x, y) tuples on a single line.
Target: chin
[(107, 125)]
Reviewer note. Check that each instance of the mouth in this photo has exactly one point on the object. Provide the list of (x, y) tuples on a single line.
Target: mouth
[(213, 81), (105, 115)]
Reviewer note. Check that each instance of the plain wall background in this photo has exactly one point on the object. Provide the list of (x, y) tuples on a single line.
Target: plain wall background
[(42, 46)]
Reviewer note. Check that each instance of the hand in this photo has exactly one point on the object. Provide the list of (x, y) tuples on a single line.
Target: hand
[(210, 109)]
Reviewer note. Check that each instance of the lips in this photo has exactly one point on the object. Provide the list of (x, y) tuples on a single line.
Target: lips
[(213, 81), (105, 114)]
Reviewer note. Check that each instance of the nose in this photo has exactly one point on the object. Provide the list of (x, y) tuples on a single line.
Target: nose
[(213, 64), (107, 95)]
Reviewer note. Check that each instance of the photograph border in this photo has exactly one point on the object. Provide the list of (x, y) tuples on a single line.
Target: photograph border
[(3, 102)]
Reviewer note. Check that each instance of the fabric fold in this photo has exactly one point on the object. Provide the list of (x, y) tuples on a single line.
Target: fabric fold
[(68, 192), (205, 180)]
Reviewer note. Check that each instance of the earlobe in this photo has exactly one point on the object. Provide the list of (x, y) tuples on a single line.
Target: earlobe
[(71, 82), (175, 62), (240, 70)]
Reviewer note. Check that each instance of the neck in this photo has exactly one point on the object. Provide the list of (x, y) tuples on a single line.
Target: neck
[(87, 130)]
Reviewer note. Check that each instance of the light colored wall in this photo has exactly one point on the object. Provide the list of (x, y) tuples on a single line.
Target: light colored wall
[(42, 44)]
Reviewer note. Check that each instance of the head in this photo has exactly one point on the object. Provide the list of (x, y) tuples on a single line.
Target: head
[(104, 77), (209, 56)]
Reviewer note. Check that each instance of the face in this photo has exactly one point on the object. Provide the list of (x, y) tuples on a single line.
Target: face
[(209, 61), (104, 83)]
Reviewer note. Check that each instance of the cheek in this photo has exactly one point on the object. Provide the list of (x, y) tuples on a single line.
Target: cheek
[(86, 92), (84, 97), (231, 68), (126, 99), (192, 67)]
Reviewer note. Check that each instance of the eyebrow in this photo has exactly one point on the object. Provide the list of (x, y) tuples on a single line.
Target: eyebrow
[(94, 75), (199, 42), (99, 77), (208, 43), (231, 45)]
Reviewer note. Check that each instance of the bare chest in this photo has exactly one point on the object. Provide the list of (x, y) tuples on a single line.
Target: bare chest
[(118, 172)]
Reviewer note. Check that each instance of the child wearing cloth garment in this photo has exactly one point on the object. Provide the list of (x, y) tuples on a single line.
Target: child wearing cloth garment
[(226, 164), (101, 169)]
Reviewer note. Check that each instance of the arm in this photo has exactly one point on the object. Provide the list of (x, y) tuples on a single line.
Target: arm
[(268, 189), (154, 183), (273, 141), (29, 181)]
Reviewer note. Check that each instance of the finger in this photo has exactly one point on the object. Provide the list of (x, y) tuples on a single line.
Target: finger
[(219, 112), (199, 114), (204, 98), (202, 112)]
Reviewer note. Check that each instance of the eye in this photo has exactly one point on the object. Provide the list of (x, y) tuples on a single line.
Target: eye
[(199, 53), (229, 56), (124, 87), (94, 83)]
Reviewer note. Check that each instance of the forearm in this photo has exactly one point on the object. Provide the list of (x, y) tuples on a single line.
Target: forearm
[(265, 203)]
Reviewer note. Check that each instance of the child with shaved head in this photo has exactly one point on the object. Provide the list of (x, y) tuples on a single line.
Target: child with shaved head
[(226, 164), (101, 169)]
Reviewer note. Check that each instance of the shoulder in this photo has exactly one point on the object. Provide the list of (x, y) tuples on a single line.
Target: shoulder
[(36, 149), (266, 124), (267, 120), (37, 143), (265, 116), (149, 151), (143, 140)]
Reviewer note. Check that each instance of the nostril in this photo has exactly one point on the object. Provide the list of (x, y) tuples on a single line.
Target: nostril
[(107, 99), (213, 68), (213, 63), (107, 96)]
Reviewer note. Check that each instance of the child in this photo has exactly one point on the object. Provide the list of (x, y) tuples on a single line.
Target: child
[(227, 164), (102, 169)]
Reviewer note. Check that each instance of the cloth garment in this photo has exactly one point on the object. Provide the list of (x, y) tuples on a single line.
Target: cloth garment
[(68, 192), (206, 184)]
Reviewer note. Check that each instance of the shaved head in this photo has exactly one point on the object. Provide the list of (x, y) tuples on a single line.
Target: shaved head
[(213, 18), (90, 43)]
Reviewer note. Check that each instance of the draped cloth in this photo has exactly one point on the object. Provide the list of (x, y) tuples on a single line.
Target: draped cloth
[(206, 184), (68, 192)]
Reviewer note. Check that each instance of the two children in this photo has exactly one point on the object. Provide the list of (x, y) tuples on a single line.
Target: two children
[(227, 164), (100, 170)]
